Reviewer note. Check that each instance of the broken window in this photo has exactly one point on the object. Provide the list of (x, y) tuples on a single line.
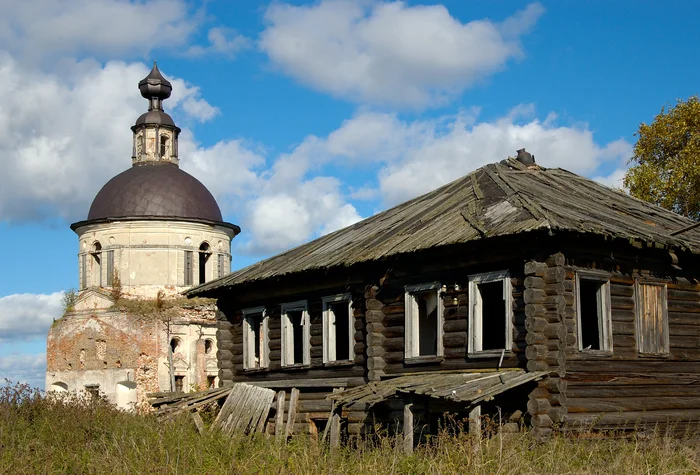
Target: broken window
[(295, 334), (179, 384), (652, 319), (175, 344), (211, 382), (593, 312), (93, 390), (338, 328), (204, 254), (97, 264), (424, 320), (208, 346), (255, 347), (490, 313), (110, 267), (188, 268)]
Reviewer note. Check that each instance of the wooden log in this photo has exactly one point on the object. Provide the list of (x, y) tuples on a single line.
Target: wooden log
[(537, 365), (541, 420), (683, 294), (624, 303), (291, 414), (555, 385), (555, 260), (374, 316), (393, 344), (534, 296), (455, 340), (649, 390), (455, 326), (535, 268), (536, 324), (554, 275), (556, 303), (394, 332), (631, 419), (534, 310), (557, 414), (534, 282), (536, 352)]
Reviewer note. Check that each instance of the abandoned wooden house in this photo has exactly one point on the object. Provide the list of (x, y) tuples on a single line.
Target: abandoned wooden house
[(514, 289)]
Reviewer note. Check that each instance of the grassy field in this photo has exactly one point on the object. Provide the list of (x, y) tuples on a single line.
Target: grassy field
[(39, 436)]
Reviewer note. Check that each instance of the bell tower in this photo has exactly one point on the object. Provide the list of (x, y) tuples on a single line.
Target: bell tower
[(155, 133)]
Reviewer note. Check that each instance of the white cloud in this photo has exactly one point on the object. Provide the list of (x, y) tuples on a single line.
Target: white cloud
[(27, 316), (24, 368), (43, 28), (221, 41), (389, 52), (63, 136)]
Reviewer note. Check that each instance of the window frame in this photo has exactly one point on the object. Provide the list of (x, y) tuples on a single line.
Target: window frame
[(475, 326), (412, 324), (605, 332), (249, 343), (664, 316), (329, 334), (287, 333)]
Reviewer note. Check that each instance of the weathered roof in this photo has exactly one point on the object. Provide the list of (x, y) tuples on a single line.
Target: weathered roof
[(496, 200), (465, 387)]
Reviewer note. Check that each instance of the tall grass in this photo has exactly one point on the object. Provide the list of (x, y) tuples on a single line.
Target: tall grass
[(49, 435)]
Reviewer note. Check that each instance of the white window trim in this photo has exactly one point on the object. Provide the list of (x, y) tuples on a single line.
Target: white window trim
[(249, 343), (605, 335), (475, 327), (412, 336), (329, 335), (637, 317), (288, 333)]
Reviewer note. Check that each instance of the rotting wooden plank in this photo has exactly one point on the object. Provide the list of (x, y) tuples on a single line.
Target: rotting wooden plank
[(292, 413), (243, 409), (279, 416), (334, 422), (408, 427), (198, 422)]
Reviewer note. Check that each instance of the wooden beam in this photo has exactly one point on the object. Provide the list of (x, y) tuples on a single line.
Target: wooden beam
[(335, 429), (475, 422), (292, 413), (279, 416), (408, 428), (306, 383)]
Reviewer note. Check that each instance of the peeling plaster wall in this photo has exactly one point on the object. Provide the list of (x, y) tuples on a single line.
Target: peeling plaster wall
[(108, 347)]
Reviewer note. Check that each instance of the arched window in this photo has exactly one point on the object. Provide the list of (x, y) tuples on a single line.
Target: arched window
[(204, 254), (175, 344), (59, 387), (164, 147), (97, 264)]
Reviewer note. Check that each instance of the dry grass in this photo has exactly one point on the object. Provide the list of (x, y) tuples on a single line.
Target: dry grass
[(38, 435)]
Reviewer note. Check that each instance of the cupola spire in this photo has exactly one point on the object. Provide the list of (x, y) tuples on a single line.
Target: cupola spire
[(155, 133)]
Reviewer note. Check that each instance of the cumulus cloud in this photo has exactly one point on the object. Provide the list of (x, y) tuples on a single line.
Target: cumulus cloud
[(24, 368), (43, 28), (389, 52), (27, 316), (63, 136), (221, 41)]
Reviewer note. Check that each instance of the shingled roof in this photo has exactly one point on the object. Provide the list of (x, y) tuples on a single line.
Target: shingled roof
[(496, 200)]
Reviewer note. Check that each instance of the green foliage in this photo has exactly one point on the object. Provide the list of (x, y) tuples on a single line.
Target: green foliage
[(55, 435), (666, 160), (69, 298), (117, 290)]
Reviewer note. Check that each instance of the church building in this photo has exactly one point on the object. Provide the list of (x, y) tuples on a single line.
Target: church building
[(152, 232)]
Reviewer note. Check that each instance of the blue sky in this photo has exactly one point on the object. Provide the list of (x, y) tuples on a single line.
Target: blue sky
[(302, 117)]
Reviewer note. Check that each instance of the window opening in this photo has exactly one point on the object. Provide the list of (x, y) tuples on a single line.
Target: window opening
[(295, 334), (211, 382), (221, 265), (93, 390), (255, 348), (208, 346), (424, 321), (97, 264), (83, 272), (175, 344), (490, 313), (164, 146), (652, 319), (188, 267), (179, 384), (204, 254), (338, 328), (593, 319)]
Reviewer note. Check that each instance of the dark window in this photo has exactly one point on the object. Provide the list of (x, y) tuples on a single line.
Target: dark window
[(427, 323), (163, 146), (203, 258), (188, 267), (342, 330), (174, 344), (593, 317), (208, 346), (255, 323), (93, 390), (296, 320), (179, 384), (83, 272), (493, 316), (211, 382), (97, 265)]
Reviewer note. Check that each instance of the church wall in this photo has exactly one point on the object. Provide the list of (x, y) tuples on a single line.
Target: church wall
[(151, 254)]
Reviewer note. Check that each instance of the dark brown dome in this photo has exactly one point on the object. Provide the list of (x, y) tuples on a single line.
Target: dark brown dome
[(155, 190)]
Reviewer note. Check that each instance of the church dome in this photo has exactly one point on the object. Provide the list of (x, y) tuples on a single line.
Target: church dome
[(155, 190)]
